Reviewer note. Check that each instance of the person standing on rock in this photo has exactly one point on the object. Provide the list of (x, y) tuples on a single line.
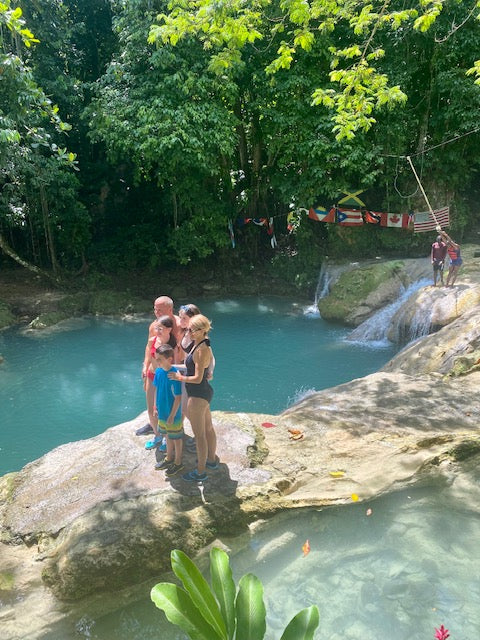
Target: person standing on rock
[(163, 306), (453, 250), (199, 394), (437, 256), (168, 410)]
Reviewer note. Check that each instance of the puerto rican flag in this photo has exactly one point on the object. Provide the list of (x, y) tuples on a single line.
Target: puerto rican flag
[(349, 217), (321, 215), (426, 222), (395, 220)]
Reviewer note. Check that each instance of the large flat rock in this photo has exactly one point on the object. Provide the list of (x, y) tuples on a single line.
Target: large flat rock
[(94, 515)]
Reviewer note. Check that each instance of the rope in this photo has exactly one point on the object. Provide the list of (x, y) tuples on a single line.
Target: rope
[(440, 144), (423, 191)]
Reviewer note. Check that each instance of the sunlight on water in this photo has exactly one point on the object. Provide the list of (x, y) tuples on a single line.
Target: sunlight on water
[(410, 566)]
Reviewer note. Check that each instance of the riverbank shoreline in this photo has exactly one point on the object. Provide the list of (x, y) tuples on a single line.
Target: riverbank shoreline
[(26, 297)]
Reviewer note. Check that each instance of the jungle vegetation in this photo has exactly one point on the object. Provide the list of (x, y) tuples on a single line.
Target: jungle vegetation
[(133, 131)]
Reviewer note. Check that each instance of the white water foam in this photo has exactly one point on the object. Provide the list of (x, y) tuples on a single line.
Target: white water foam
[(373, 332)]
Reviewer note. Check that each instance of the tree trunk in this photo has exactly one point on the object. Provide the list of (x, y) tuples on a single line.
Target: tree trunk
[(48, 230), (5, 247)]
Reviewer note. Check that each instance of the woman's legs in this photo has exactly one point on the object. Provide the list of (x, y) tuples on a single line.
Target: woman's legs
[(210, 436), (452, 274), (150, 397), (197, 409)]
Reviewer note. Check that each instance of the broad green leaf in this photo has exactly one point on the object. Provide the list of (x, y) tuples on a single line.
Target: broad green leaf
[(180, 610), (303, 625), (223, 587), (250, 609), (199, 590)]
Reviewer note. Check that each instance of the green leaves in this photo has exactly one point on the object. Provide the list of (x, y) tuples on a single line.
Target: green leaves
[(204, 614), (199, 591), (250, 609), (181, 611), (303, 625), (224, 588)]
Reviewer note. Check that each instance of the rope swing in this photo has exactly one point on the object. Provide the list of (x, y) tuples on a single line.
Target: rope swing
[(438, 227)]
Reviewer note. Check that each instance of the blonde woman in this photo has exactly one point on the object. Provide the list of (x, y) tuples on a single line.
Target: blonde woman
[(199, 393)]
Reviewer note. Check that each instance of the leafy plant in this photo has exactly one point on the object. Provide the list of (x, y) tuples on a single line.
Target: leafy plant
[(221, 612)]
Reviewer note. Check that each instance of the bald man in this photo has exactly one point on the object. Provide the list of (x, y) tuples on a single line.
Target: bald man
[(163, 306)]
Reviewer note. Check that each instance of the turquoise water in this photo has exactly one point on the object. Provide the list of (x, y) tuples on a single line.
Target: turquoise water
[(410, 566), (63, 386)]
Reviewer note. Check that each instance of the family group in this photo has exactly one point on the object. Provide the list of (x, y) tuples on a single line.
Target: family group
[(177, 369), (443, 245)]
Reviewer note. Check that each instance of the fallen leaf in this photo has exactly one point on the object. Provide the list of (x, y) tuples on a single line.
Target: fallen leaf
[(354, 497), (337, 474), (298, 436), (306, 548), (294, 431), (268, 425)]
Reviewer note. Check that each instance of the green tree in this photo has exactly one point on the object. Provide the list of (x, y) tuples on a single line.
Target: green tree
[(30, 158), (358, 86)]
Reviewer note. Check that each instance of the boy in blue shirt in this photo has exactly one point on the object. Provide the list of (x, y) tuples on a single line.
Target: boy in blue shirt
[(168, 410)]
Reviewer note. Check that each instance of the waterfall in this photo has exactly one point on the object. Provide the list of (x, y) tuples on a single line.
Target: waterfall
[(374, 330), (328, 275)]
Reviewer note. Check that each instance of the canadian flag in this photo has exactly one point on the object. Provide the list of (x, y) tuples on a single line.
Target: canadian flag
[(394, 220)]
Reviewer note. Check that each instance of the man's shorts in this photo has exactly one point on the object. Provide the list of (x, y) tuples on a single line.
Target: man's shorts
[(172, 431), (438, 265)]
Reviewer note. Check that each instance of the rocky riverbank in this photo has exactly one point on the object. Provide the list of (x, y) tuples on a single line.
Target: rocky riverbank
[(80, 522)]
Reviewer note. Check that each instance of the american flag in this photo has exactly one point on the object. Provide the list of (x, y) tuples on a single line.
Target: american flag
[(426, 222)]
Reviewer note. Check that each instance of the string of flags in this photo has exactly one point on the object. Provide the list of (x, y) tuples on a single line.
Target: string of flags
[(351, 217), (419, 222)]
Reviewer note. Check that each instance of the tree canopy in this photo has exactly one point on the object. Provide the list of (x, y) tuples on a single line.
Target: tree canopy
[(175, 120)]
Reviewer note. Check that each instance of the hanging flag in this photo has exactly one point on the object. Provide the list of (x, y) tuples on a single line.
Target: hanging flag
[(372, 217), (424, 221), (349, 217), (322, 215), (232, 235), (395, 220), (271, 233)]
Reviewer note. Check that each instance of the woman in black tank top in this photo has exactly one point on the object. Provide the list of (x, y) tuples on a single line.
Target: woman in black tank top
[(199, 394)]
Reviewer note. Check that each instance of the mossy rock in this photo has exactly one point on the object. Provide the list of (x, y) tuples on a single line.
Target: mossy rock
[(45, 320), (353, 287), (7, 581), (113, 302), (74, 304), (7, 319)]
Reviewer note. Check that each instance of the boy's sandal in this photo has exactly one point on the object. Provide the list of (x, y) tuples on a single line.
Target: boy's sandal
[(173, 469), (160, 466)]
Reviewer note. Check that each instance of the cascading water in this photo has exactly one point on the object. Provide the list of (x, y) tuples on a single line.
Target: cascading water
[(328, 275), (375, 329)]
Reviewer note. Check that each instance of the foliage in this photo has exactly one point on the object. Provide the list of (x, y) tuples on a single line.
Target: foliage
[(35, 169), (358, 85), (222, 612)]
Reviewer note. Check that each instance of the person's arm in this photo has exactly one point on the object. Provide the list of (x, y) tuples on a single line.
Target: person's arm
[(173, 412), (448, 240), (431, 254)]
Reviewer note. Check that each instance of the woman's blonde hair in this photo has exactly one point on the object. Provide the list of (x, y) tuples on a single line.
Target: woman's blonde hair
[(200, 322)]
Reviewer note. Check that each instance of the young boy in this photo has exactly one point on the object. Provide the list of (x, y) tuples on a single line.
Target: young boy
[(168, 409)]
